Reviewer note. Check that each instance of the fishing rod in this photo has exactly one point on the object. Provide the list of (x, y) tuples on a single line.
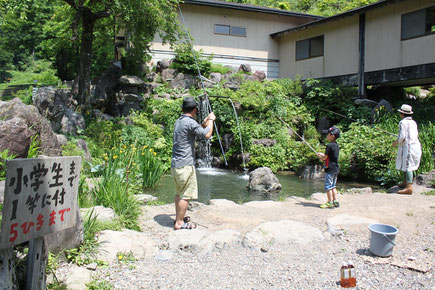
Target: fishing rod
[(359, 122), (288, 126), (203, 87)]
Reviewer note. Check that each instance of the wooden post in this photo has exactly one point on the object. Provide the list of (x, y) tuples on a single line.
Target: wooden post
[(8, 277), (361, 81), (36, 264)]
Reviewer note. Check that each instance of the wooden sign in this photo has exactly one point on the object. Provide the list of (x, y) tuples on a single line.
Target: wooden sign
[(40, 198)]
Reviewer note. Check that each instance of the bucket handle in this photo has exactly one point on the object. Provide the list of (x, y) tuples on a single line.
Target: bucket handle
[(389, 240)]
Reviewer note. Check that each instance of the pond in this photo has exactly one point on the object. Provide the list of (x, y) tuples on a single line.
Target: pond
[(225, 184)]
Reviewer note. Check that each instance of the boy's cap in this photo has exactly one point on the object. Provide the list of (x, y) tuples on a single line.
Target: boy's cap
[(333, 131), (189, 102)]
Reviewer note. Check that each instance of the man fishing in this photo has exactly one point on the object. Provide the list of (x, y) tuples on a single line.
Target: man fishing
[(183, 159), (409, 150)]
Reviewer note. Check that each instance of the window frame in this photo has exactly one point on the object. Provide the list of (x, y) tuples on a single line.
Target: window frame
[(230, 29), (427, 29), (322, 37)]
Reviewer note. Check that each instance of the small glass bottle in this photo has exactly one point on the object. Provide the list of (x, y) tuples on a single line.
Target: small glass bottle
[(352, 277), (344, 276)]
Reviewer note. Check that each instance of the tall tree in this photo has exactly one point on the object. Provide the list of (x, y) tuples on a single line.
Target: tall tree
[(140, 19)]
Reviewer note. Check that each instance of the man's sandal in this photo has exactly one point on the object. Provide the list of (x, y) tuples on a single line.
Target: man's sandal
[(187, 226), (186, 219)]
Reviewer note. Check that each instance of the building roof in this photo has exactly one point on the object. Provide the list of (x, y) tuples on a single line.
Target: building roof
[(352, 12), (252, 8)]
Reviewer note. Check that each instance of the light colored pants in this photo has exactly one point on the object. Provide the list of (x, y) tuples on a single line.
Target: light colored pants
[(185, 182)]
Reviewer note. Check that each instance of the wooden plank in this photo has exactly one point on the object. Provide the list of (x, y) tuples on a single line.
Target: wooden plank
[(36, 278), (40, 198), (8, 279)]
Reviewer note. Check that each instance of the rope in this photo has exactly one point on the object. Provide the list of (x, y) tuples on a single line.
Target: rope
[(288, 126), (359, 122), (202, 85)]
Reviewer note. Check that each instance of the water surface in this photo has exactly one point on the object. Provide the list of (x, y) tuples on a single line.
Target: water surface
[(220, 183)]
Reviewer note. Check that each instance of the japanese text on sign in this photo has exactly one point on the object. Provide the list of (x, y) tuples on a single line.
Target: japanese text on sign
[(40, 197)]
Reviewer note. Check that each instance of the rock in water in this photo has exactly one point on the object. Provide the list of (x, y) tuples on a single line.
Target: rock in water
[(263, 179)]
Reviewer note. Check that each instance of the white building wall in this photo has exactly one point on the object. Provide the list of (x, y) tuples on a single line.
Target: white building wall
[(257, 49)]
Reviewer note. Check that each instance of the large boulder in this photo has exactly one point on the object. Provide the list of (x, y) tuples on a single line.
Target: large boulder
[(15, 136), (365, 102), (162, 65), (131, 102), (259, 75), (215, 77), (264, 142), (51, 103), (139, 244), (30, 115), (245, 68), (311, 172), (383, 105), (105, 85), (182, 81), (168, 74), (262, 179), (233, 83), (133, 85), (282, 232), (72, 122)]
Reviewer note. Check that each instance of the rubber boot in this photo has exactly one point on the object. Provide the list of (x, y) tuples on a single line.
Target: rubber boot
[(402, 184), (406, 190)]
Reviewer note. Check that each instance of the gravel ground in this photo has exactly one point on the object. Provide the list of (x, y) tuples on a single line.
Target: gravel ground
[(315, 265), (294, 266)]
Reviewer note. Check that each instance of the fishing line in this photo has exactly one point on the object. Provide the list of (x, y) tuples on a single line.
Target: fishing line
[(288, 126), (202, 85), (359, 122)]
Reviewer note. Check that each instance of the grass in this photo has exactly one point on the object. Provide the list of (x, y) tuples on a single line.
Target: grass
[(112, 192), (216, 67), (432, 192), (99, 285)]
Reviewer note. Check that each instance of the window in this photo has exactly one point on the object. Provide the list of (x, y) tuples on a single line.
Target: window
[(222, 29), (238, 31), (308, 48), (229, 30), (418, 23)]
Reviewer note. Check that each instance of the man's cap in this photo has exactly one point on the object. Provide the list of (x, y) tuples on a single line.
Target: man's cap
[(406, 109), (333, 131), (189, 102)]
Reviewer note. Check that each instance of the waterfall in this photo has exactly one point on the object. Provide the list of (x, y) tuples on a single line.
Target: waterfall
[(203, 153), (204, 146)]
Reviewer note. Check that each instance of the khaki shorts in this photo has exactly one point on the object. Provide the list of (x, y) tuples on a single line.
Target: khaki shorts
[(185, 182)]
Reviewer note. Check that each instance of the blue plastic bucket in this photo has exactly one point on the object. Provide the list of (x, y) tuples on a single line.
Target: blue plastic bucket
[(382, 239)]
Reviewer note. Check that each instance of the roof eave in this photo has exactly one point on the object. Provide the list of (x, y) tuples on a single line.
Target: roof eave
[(352, 12), (251, 8)]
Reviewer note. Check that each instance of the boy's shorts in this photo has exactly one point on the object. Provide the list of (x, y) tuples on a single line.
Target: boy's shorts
[(330, 181), (185, 182)]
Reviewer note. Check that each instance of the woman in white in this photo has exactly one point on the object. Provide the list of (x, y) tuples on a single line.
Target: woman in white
[(409, 150)]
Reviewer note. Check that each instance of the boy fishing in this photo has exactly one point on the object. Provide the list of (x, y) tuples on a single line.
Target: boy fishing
[(330, 157)]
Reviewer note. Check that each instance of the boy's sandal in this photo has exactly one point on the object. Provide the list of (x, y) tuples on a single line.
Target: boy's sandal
[(327, 205), (336, 204), (187, 226)]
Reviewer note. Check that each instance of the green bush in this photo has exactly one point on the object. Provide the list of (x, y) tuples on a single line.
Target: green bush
[(184, 60), (218, 68), (365, 153)]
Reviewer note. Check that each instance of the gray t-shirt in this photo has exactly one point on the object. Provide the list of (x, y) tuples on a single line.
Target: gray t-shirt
[(183, 150)]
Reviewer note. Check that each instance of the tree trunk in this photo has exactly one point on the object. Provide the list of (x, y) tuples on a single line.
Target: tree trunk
[(84, 86)]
